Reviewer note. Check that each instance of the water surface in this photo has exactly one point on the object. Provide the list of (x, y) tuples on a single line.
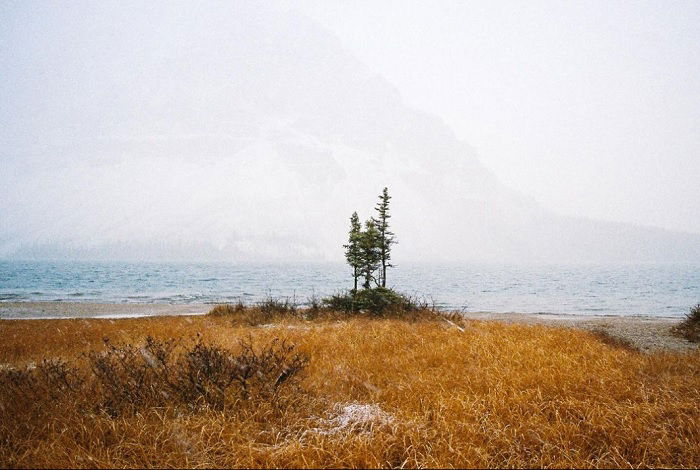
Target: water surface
[(663, 290)]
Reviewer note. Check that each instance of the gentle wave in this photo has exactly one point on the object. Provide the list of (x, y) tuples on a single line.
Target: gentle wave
[(664, 290)]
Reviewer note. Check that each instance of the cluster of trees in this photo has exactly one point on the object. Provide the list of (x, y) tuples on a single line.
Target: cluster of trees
[(368, 251)]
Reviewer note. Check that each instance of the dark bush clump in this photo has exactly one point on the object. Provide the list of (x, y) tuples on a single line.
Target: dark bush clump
[(126, 378), (132, 377), (227, 309), (379, 301), (314, 306), (689, 328), (265, 311), (274, 306), (213, 375), (204, 375), (51, 378)]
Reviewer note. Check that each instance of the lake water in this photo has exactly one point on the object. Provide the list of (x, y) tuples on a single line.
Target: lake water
[(665, 290)]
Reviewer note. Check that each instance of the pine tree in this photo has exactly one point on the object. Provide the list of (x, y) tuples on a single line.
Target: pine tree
[(353, 251), (371, 257), (386, 237)]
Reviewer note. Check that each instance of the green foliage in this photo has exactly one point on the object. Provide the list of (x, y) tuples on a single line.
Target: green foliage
[(353, 251), (371, 257), (368, 251), (379, 301), (386, 236), (344, 302)]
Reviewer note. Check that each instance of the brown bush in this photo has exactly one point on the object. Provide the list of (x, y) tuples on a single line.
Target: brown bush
[(210, 374), (267, 310), (47, 381), (126, 378), (227, 309), (129, 377)]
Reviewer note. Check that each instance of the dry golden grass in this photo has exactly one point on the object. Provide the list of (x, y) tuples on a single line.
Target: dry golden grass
[(376, 393)]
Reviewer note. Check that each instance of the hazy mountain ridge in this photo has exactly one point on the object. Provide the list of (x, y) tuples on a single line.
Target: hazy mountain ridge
[(254, 141)]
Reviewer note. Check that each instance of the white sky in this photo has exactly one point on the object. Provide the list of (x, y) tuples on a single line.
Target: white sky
[(232, 130), (590, 108)]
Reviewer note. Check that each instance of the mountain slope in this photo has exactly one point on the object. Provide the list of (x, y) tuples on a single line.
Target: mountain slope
[(239, 132)]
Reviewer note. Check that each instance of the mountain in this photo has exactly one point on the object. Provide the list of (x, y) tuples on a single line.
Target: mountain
[(235, 131)]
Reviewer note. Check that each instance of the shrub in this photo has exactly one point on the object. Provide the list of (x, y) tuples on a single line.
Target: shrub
[(379, 301), (212, 375), (129, 377), (227, 309), (689, 328), (159, 373), (314, 306), (47, 382), (342, 302), (265, 311), (275, 306)]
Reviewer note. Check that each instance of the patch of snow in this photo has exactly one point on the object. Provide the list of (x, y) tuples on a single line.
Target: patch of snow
[(290, 327), (455, 325), (354, 417)]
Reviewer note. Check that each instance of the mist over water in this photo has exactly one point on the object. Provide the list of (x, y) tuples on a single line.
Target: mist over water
[(653, 290)]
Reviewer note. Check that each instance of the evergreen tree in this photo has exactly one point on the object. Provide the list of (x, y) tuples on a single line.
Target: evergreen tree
[(386, 237), (353, 251), (371, 256)]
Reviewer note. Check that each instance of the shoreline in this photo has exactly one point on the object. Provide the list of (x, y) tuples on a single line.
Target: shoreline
[(58, 309), (53, 310), (644, 332)]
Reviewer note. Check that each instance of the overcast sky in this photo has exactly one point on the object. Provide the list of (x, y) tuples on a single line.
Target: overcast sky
[(592, 108), (242, 130)]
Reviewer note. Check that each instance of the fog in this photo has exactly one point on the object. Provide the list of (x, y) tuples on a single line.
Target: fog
[(250, 132), (591, 107)]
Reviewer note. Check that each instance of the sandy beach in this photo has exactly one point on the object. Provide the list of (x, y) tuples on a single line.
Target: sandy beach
[(645, 333), (648, 334), (57, 310)]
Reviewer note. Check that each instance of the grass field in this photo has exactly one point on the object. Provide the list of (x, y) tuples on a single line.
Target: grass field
[(375, 393)]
